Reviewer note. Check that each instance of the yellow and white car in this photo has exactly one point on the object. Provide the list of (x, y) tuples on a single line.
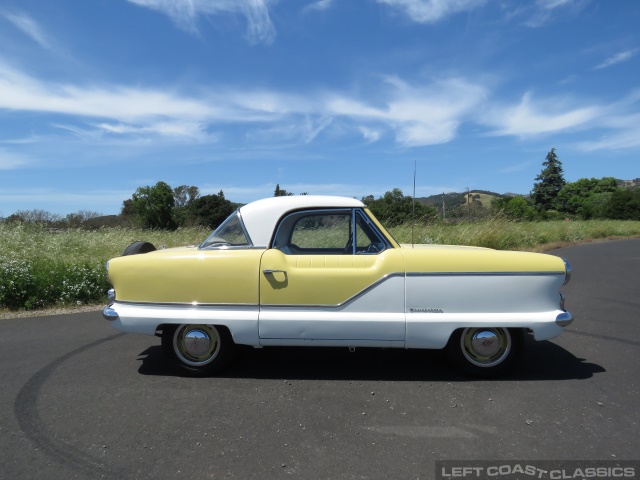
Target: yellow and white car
[(322, 271)]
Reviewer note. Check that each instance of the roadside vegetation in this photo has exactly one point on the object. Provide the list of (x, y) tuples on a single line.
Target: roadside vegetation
[(40, 268), (48, 260)]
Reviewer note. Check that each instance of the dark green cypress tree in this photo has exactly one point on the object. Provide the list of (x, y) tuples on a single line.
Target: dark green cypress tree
[(548, 183)]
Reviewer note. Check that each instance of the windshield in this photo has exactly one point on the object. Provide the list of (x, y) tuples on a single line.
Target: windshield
[(230, 233)]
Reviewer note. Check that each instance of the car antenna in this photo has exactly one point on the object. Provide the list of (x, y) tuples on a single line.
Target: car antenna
[(413, 203)]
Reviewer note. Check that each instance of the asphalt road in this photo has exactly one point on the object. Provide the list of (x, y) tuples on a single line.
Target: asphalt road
[(79, 400)]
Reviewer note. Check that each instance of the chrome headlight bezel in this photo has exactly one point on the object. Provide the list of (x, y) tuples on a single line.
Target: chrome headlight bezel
[(111, 296), (567, 268)]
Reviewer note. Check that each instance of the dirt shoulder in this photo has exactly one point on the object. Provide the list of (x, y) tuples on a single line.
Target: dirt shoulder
[(8, 314)]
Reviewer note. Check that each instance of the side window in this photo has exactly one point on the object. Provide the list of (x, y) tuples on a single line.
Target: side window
[(368, 238), (230, 233), (328, 232), (321, 233)]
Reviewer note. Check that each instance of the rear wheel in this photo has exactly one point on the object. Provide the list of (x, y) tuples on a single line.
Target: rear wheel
[(198, 349), (486, 351)]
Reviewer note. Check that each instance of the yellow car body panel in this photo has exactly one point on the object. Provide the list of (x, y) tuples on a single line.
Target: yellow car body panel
[(322, 279), (188, 276), (453, 259)]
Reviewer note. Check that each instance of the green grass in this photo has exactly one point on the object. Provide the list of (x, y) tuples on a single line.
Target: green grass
[(40, 268), (503, 234)]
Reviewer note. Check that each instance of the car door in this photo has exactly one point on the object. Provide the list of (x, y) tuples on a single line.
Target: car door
[(331, 276)]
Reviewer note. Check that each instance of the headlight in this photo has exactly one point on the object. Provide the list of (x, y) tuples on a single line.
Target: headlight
[(567, 268)]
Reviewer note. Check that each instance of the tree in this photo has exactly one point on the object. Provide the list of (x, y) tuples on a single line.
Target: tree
[(211, 210), (623, 205), (515, 208), (34, 216), (184, 195), (281, 192), (394, 208), (183, 198), (154, 206), (548, 183), (81, 217), (572, 197), (594, 205)]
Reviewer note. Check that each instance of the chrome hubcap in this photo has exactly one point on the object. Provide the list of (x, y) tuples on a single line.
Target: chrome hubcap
[(485, 347), (196, 342), (196, 345)]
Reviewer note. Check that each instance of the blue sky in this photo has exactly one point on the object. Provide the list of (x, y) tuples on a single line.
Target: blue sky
[(99, 97)]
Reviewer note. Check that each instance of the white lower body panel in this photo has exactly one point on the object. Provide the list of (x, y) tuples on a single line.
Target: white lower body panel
[(432, 330), (242, 321)]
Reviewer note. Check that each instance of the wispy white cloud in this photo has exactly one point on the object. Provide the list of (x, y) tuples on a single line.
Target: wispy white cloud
[(534, 117), (173, 131), (551, 4), (10, 161), (30, 27), (303, 131), (319, 5), (22, 92), (543, 10), (420, 115), (623, 133), (431, 11), (185, 13), (371, 135), (415, 114), (618, 58)]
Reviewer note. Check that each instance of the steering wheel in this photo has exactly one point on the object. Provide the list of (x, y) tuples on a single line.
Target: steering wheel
[(374, 247)]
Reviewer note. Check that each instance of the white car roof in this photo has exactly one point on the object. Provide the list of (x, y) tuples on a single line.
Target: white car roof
[(260, 217)]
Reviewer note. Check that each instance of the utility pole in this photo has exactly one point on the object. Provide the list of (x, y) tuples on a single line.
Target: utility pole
[(468, 204), (444, 215)]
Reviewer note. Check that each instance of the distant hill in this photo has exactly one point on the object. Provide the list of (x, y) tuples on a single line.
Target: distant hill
[(454, 199), (483, 198), (629, 184), (456, 203), (451, 200)]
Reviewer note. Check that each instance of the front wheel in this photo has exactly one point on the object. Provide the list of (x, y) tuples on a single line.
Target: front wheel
[(198, 349), (485, 352)]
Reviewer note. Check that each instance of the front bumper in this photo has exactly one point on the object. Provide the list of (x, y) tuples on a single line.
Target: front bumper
[(108, 312)]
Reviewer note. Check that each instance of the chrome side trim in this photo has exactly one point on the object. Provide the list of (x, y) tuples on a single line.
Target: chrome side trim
[(185, 304), (564, 319), (482, 274), (235, 247)]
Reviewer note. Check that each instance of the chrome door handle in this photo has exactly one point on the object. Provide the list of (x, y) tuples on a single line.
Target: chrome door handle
[(271, 272)]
